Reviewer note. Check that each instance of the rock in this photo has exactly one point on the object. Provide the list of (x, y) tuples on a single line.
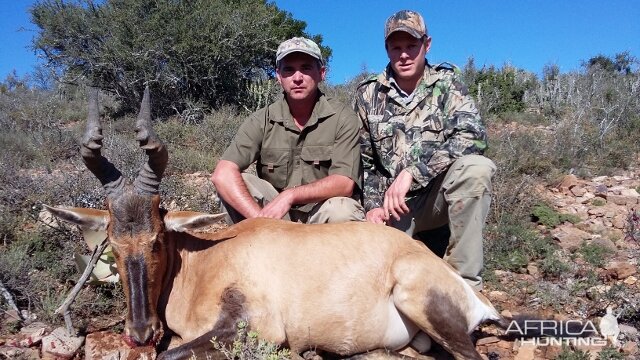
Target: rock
[(525, 352), (532, 270), (60, 345), (11, 352), (599, 179), (109, 345), (578, 191), (567, 182), (622, 269), (630, 193), (619, 221), (585, 198), (622, 200), (569, 237), (552, 351), (630, 348), (628, 330), (499, 296), (605, 243), (631, 280), (487, 340)]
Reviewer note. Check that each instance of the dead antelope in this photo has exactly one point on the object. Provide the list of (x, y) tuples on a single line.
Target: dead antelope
[(346, 288)]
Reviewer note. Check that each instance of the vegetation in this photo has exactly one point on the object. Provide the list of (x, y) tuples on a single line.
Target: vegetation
[(585, 122), (194, 54), (248, 346)]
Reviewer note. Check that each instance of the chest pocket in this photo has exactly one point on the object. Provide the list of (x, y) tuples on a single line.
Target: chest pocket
[(316, 162), (274, 166), (379, 128)]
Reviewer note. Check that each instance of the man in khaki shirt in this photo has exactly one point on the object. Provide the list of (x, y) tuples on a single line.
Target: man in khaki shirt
[(306, 148)]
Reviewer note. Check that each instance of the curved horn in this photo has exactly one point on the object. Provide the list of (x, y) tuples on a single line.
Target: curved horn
[(91, 143), (149, 177)]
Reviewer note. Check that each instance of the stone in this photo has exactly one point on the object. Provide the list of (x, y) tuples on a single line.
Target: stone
[(578, 191), (622, 269), (605, 243), (567, 182), (499, 296), (552, 351), (525, 352), (619, 221), (630, 348), (12, 352), (631, 280), (628, 330), (622, 200), (630, 193), (532, 270), (569, 237), (109, 345), (487, 340), (60, 345)]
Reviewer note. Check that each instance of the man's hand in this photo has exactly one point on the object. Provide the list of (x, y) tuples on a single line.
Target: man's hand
[(394, 203), (377, 216), (278, 207)]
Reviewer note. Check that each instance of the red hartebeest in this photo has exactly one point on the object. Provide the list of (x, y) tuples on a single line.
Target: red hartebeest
[(346, 288)]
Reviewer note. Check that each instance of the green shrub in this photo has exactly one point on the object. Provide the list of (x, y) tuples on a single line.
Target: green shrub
[(598, 201), (512, 245), (552, 265), (248, 346), (610, 353), (594, 254), (549, 217), (568, 354)]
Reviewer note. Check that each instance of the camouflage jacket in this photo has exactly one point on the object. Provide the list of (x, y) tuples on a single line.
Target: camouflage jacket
[(423, 133)]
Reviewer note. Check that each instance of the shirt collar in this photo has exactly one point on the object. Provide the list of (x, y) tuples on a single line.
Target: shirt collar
[(321, 110)]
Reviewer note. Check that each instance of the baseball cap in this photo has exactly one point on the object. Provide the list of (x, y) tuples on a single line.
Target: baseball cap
[(408, 21), (299, 44)]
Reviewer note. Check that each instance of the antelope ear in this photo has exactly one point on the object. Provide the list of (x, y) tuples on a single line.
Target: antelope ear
[(90, 219), (182, 221)]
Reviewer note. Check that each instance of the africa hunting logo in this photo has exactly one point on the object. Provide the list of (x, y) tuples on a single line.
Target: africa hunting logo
[(569, 332)]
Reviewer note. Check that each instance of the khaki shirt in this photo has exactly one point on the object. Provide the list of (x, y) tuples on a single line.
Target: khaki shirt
[(287, 156)]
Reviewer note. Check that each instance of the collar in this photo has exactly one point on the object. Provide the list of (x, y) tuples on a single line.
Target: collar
[(281, 113)]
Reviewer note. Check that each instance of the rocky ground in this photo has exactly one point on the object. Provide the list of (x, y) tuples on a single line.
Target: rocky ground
[(603, 207)]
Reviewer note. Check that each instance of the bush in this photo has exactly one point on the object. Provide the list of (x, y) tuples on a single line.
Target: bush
[(594, 254), (191, 53), (248, 346), (549, 217)]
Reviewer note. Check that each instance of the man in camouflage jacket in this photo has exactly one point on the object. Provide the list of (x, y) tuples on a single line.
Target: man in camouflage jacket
[(422, 142)]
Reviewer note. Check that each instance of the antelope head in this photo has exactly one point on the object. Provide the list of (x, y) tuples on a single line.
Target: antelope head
[(135, 225)]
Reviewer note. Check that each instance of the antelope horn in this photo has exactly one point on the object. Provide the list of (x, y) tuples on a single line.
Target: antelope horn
[(150, 175), (91, 143)]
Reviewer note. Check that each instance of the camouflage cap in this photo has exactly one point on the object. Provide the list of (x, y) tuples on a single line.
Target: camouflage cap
[(408, 21), (298, 44)]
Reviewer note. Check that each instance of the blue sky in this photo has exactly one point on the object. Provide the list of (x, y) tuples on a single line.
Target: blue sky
[(526, 34)]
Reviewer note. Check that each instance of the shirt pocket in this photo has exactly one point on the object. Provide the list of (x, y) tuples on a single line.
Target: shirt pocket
[(433, 128), (274, 166), (380, 128), (316, 162)]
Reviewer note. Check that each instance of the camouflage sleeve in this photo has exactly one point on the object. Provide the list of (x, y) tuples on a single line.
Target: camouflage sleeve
[(464, 132), (374, 185)]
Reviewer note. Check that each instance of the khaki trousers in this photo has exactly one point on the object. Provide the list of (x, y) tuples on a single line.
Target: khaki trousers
[(461, 198), (333, 210)]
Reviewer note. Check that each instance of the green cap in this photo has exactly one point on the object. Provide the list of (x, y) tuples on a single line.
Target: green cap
[(408, 21), (298, 44)]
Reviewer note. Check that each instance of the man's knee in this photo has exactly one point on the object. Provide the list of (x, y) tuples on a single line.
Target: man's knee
[(470, 176), (339, 209)]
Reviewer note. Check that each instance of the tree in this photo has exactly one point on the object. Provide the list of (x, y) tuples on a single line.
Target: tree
[(191, 52)]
